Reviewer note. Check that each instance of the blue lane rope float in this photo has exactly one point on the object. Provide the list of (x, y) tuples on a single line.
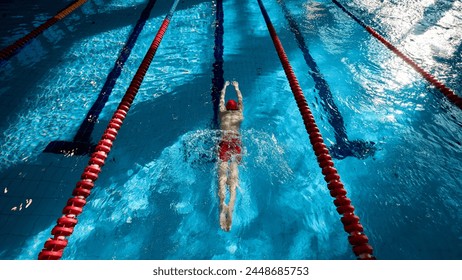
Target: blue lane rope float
[(54, 247), (81, 144), (14, 48), (446, 91), (357, 238), (343, 147)]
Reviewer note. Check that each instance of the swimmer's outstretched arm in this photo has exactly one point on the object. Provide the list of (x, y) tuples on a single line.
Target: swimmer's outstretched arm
[(240, 104), (222, 97)]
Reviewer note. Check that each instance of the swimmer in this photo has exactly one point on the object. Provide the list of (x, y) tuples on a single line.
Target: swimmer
[(229, 153)]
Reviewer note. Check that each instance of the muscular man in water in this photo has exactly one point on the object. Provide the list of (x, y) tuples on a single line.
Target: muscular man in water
[(229, 152)]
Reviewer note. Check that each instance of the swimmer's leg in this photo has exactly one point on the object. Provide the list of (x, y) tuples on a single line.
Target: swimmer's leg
[(222, 179), (233, 183)]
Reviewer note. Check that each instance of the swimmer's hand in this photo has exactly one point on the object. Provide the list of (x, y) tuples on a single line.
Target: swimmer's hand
[(235, 84), (227, 83)]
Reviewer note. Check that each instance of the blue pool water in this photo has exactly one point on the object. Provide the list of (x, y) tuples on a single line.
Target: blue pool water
[(156, 197)]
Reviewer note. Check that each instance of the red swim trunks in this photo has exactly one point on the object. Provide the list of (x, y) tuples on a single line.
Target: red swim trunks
[(228, 148)]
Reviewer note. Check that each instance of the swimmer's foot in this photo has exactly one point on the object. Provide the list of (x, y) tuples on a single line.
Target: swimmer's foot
[(223, 218), (226, 218), (229, 219)]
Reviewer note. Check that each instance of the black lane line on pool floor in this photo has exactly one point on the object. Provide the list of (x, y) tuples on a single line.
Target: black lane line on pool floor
[(81, 144), (209, 143), (343, 147), (218, 80)]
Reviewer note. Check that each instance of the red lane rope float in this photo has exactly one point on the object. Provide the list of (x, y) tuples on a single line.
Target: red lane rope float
[(12, 49), (446, 91), (54, 247), (352, 226), (449, 93)]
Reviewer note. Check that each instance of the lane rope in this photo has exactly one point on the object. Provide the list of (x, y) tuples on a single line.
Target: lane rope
[(54, 247), (14, 48), (446, 91), (357, 238)]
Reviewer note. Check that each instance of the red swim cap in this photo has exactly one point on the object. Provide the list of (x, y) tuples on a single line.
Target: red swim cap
[(231, 105)]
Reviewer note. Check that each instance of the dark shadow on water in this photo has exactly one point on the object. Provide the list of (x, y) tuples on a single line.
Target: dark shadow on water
[(432, 15), (48, 181)]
